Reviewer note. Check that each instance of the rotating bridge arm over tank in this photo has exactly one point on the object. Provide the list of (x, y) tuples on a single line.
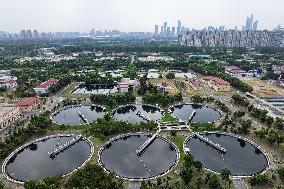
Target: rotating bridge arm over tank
[(66, 145)]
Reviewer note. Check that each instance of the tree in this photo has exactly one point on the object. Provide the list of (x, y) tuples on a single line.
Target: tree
[(198, 165), (280, 172), (269, 120), (281, 146), (245, 126), (1, 184), (47, 183), (273, 136), (225, 174), (92, 176), (170, 75), (214, 182), (187, 171), (279, 123), (186, 174), (197, 99), (260, 179), (239, 113), (262, 132)]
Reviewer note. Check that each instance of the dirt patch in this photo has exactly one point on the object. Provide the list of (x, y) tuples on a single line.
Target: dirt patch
[(264, 87)]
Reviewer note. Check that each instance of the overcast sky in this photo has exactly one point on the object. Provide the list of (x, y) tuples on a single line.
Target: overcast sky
[(134, 15)]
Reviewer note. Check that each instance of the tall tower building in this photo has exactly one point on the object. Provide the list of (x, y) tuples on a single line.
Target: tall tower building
[(254, 27), (179, 27), (156, 30), (23, 34), (162, 30), (36, 34), (249, 23), (165, 27), (173, 31)]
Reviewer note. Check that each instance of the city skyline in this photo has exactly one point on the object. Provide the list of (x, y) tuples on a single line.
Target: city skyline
[(134, 15)]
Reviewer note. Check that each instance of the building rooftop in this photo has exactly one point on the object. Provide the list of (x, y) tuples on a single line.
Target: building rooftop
[(237, 71), (195, 83), (29, 101), (47, 83), (231, 67)]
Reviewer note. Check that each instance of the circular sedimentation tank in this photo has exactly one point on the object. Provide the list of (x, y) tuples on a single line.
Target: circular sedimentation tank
[(203, 114), (119, 155), (137, 113), (78, 115), (242, 157), (39, 159)]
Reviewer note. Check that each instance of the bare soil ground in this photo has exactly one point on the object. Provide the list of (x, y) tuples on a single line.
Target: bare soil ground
[(264, 88)]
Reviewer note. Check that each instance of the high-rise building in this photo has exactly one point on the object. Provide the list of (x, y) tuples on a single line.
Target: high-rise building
[(173, 31), (23, 34), (179, 27), (156, 30), (254, 27), (29, 34), (36, 34), (165, 27), (168, 31), (250, 24), (162, 30), (221, 28)]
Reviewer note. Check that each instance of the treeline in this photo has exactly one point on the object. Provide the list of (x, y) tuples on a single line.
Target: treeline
[(112, 100), (107, 127), (258, 113), (163, 99), (37, 126), (214, 69)]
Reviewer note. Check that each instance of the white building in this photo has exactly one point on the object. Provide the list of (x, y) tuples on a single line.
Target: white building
[(234, 71), (125, 83), (164, 87), (123, 87), (43, 87), (8, 81)]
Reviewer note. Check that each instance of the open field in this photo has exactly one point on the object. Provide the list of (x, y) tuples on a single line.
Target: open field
[(70, 88)]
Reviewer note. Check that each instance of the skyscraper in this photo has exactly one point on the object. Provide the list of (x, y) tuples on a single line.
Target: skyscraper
[(255, 25), (250, 24), (156, 30), (165, 27), (162, 30), (179, 27), (23, 34), (173, 31), (36, 34)]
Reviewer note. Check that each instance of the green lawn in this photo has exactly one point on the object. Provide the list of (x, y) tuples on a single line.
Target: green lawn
[(71, 87), (168, 117), (178, 140)]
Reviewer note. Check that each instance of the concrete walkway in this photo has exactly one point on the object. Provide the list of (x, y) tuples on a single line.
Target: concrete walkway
[(240, 184)]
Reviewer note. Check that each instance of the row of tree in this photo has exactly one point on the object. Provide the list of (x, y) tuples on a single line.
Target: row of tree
[(163, 99), (113, 100), (37, 126), (107, 127)]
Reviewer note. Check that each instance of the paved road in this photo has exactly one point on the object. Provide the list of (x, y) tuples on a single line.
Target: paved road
[(240, 184), (134, 185)]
